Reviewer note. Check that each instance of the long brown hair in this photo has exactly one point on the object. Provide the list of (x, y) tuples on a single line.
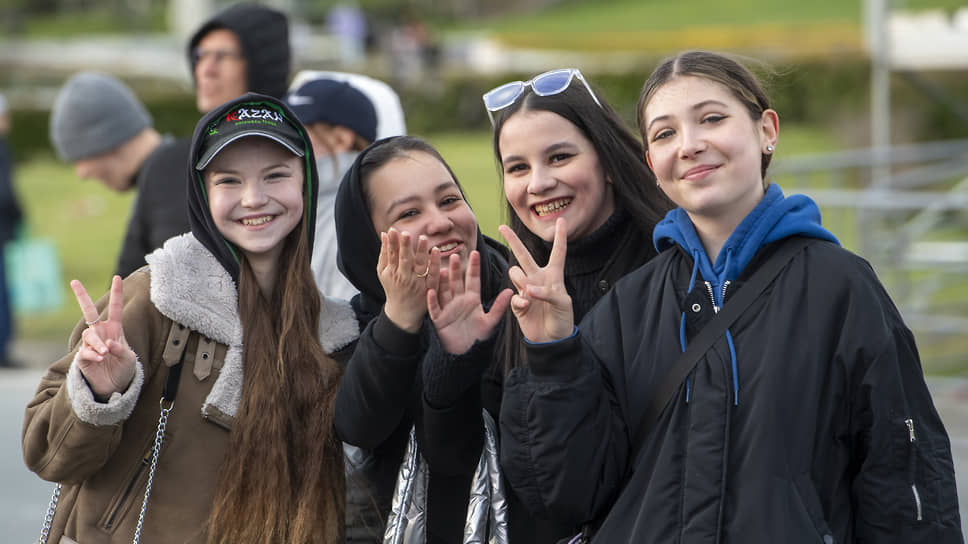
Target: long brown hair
[(283, 478)]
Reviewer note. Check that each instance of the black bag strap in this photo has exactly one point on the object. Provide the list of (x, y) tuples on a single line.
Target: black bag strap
[(713, 330)]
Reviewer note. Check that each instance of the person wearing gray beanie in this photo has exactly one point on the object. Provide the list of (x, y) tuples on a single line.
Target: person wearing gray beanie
[(95, 113), (100, 126)]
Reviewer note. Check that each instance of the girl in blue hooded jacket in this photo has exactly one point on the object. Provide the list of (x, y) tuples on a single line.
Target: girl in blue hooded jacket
[(807, 421)]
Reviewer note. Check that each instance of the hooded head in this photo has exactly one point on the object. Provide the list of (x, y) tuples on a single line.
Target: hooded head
[(248, 116), (263, 33), (357, 239)]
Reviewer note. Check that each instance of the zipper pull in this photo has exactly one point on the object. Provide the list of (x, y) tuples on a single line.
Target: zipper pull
[(910, 426), (712, 298)]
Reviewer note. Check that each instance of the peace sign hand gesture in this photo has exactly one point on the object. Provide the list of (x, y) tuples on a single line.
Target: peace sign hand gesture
[(105, 359), (542, 306)]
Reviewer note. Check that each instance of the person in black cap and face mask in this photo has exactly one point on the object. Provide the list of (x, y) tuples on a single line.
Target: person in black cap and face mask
[(341, 122), (248, 456)]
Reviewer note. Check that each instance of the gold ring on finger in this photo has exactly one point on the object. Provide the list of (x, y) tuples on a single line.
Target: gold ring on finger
[(425, 272)]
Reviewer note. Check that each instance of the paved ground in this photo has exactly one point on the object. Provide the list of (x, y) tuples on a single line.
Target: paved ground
[(24, 497)]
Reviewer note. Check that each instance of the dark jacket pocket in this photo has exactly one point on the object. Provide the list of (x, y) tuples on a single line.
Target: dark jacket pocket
[(810, 500)]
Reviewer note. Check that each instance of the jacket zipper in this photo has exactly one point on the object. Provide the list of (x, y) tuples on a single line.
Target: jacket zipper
[(914, 487), (709, 289), (145, 461)]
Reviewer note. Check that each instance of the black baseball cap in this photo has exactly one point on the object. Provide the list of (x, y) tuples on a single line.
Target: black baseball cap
[(250, 119), (334, 102)]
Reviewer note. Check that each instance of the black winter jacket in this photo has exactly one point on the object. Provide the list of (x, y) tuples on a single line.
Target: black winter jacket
[(834, 438), (381, 397)]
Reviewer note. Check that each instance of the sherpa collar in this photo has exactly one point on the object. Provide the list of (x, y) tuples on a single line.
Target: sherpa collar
[(189, 286)]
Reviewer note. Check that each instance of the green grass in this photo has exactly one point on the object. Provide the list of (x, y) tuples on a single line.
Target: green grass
[(94, 21), (765, 27), (86, 222)]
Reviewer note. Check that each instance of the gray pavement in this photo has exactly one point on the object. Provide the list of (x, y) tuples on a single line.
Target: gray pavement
[(24, 497)]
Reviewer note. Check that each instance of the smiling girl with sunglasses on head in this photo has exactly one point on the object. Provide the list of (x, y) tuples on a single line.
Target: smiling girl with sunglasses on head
[(564, 153), (228, 317), (752, 383)]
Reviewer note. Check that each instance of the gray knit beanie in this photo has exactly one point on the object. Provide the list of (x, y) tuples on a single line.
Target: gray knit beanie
[(94, 113)]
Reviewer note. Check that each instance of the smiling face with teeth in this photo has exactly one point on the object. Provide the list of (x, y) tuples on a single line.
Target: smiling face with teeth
[(255, 194), (552, 170), (416, 193)]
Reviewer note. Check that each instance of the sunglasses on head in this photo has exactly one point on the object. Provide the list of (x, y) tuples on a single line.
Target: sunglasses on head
[(545, 84)]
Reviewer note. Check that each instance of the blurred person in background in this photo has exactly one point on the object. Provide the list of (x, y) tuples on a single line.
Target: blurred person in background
[(11, 217), (341, 119), (347, 22), (98, 124), (243, 48)]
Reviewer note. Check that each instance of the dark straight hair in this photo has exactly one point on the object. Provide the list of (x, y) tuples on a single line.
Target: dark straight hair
[(619, 153)]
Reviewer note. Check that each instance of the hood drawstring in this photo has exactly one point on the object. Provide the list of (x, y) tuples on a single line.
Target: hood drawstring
[(682, 320), (729, 336)]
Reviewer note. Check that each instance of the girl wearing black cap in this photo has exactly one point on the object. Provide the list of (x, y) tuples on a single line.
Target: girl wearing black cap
[(226, 326), (410, 243)]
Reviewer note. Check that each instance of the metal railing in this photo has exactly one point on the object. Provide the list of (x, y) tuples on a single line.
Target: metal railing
[(912, 226)]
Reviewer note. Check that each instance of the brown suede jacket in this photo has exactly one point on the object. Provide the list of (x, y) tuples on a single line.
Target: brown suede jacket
[(182, 303)]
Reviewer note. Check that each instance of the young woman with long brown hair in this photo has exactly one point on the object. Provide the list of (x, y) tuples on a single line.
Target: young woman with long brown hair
[(229, 315)]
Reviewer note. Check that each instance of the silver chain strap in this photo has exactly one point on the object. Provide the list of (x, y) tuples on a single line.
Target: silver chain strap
[(155, 452), (159, 439), (49, 517)]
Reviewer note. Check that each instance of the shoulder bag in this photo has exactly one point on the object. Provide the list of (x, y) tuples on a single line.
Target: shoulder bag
[(167, 403)]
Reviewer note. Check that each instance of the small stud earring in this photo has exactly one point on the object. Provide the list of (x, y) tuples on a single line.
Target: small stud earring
[(769, 148)]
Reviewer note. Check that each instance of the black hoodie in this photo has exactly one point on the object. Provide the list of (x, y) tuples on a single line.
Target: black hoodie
[(264, 34), (199, 215)]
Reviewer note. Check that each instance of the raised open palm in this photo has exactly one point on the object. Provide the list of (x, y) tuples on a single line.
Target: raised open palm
[(404, 272), (105, 359), (456, 309), (542, 306)]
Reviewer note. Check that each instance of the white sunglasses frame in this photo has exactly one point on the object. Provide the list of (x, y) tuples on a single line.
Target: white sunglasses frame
[(572, 73)]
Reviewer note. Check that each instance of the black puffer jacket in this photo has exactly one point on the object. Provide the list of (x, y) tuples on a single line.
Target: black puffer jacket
[(834, 437)]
